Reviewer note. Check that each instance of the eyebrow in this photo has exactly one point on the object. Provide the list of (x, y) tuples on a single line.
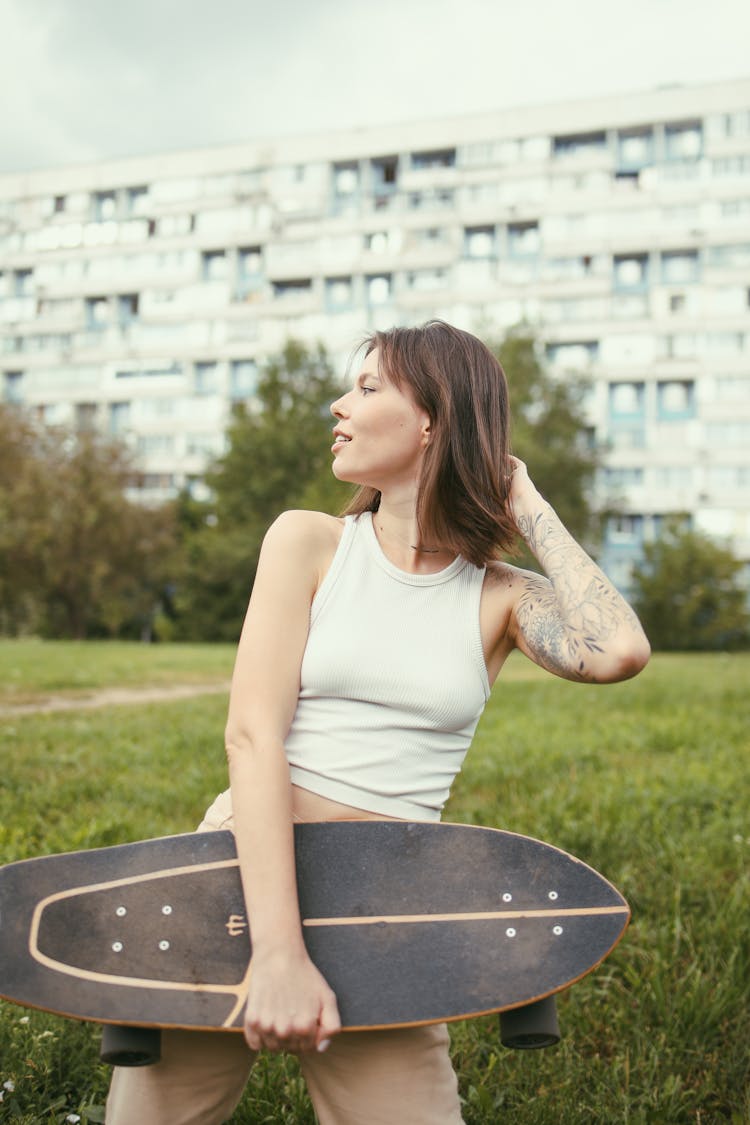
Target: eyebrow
[(368, 375)]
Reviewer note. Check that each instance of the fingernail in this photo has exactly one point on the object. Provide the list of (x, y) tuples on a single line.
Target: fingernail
[(324, 1045)]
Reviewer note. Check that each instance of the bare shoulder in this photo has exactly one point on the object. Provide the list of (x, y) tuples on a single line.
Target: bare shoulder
[(503, 578), (302, 540), (305, 528)]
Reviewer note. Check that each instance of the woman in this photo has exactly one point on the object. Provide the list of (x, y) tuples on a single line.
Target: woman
[(365, 661)]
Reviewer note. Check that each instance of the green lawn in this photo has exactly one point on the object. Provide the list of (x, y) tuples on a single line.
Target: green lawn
[(646, 781)]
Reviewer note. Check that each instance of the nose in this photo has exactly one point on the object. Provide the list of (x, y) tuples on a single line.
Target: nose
[(337, 407)]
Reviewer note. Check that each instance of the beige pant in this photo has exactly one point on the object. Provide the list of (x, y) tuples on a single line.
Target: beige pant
[(364, 1078)]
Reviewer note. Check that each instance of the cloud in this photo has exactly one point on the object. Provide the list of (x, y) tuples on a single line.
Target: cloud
[(89, 80)]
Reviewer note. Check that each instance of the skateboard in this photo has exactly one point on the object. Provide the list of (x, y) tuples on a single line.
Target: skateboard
[(409, 922)]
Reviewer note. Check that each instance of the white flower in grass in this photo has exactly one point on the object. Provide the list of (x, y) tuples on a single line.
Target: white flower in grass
[(73, 1118), (9, 1085)]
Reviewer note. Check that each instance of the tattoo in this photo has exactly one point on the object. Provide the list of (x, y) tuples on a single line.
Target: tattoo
[(569, 617)]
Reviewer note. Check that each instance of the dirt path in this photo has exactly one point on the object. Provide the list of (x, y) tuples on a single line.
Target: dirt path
[(112, 697)]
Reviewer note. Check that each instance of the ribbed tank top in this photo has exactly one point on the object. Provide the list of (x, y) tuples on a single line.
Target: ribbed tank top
[(393, 681)]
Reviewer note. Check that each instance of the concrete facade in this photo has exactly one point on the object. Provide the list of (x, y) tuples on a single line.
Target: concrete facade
[(140, 295)]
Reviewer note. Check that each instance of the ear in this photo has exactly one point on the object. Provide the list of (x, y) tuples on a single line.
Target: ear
[(426, 433)]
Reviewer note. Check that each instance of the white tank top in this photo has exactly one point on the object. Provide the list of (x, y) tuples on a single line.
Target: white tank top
[(393, 681)]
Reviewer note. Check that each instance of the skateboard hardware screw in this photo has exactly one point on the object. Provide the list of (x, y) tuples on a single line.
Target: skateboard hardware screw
[(510, 932), (507, 897), (166, 909), (557, 930), (163, 945), (117, 946), (553, 896), (121, 912)]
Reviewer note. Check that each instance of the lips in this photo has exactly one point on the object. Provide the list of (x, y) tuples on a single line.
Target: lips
[(340, 439)]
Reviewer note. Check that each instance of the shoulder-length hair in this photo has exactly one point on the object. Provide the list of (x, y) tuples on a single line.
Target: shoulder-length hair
[(463, 495)]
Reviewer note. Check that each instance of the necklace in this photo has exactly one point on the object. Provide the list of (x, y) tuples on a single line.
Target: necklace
[(420, 550)]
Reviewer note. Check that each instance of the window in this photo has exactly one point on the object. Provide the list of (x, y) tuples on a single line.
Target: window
[(136, 200), (345, 178), (173, 226), (377, 242), (127, 308), (437, 158), (424, 280), (631, 271), (206, 378), (579, 144), (625, 530), (523, 239), (621, 478), (104, 205), (214, 265), (733, 388), (676, 302), (249, 271), (679, 266), (735, 208), (13, 386), (435, 198), (479, 242), (97, 312), (156, 444), (119, 417), (728, 476), (573, 356), (58, 204), (297, 287), (680, 345), (626, 400), (384, 174), (635, 149), (85, 415), (683, 141), (671, 477), (149, 372), (243, 378), (736, 256), (250, 261), (675, 400), (728, 435), (23, 283), (338, 293), (378, 287)]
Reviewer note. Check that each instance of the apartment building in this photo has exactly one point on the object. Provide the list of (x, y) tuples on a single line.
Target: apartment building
[(141, 295)]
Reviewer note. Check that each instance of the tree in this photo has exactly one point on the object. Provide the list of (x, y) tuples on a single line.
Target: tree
[(277, 457), (78, 557), (549, 433), (688, 593)]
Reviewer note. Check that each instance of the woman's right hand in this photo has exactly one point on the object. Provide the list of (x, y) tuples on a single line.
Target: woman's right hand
[(290, 1006)]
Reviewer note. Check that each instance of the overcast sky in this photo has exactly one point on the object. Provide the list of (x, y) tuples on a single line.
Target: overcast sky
[(83, 80)]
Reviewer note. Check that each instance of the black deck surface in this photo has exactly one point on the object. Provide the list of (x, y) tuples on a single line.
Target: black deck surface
[(409, 922)]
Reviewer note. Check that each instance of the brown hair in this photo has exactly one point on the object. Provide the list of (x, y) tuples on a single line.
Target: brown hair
[(462, 502)]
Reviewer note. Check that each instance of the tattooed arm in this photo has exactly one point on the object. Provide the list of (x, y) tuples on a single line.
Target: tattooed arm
[(573, 622)]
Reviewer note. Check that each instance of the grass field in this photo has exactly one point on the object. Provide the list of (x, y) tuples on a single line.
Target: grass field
[(646, 781)]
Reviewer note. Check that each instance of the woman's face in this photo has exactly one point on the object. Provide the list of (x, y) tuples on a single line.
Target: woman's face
[(380, 433)]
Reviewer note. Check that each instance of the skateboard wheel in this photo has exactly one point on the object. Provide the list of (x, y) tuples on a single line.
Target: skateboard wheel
[(130, 1046), (532, 1026)]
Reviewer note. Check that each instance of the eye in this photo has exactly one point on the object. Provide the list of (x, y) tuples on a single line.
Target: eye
[(366, 390)]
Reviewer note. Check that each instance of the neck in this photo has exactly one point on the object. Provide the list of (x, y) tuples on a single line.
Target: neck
[(398, 527)]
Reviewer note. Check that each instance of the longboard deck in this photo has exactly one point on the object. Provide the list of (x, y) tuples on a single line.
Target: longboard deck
[(409, 923)]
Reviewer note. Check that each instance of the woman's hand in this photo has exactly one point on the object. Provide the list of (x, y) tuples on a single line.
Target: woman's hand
[(522, 490), (290, 1007)]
